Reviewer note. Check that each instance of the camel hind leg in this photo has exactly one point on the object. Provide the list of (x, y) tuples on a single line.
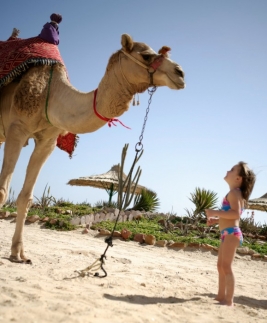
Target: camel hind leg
[(41, 152)]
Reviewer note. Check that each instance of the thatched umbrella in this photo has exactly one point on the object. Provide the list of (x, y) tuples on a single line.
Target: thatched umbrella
[(108, 181), (259, 204)]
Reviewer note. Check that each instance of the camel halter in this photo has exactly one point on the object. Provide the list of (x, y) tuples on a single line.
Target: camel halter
[(151, 69)]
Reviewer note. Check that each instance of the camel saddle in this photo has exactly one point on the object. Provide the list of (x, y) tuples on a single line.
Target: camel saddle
[(17, 56)]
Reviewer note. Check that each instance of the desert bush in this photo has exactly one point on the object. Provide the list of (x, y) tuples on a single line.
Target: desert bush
[(46, 199), (63, 203), (202, 199), (11, 200), (146, 201), (248, 225), (101, 204)]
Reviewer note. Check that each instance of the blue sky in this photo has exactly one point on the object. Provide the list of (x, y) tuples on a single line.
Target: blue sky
[(192, 136)]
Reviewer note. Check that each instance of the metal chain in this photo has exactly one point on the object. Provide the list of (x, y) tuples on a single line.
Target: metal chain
[(100, 262), (150, 92)]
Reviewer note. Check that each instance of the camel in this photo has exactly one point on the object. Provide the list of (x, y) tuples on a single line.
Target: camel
[(132, 69)]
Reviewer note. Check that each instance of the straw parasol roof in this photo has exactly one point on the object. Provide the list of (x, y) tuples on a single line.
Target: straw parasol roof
[(258, 204), (104, 181)]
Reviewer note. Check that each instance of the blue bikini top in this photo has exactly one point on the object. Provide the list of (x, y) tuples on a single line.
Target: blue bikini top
[(226, 205)]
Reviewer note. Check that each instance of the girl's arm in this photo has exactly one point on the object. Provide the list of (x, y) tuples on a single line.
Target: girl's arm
[(231, 214)]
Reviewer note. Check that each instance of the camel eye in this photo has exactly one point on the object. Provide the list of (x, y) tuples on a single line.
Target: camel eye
[(146, 57)]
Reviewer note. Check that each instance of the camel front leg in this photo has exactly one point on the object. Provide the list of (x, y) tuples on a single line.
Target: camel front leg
[(40, 154), (15, 139)]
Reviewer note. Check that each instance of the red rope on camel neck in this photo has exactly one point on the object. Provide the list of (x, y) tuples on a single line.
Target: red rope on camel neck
[(109, 121)]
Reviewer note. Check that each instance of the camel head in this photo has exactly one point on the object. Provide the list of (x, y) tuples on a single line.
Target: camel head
[(143, 67)]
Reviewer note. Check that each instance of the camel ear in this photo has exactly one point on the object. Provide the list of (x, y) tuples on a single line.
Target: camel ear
[(127, 42), (164, 51)]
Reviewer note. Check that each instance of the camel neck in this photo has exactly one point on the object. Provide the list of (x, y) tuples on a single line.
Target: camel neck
[(110, 121)]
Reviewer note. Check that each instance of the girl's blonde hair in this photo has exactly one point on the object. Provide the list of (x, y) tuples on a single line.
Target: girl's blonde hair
[(248, 180)]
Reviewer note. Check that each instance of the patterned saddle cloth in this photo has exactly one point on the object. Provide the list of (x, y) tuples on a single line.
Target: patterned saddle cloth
[(18, 55)]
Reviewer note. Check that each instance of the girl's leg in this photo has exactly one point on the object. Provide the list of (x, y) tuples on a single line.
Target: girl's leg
[(228, 253), (221, 290)]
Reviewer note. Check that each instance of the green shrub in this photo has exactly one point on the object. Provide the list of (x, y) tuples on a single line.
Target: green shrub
[(202, 199), (146, 201)]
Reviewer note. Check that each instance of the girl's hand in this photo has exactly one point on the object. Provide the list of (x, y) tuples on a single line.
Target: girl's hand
[(212, 221)]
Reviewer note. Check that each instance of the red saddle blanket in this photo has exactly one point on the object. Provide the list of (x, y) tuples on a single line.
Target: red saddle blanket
[(18, 55)]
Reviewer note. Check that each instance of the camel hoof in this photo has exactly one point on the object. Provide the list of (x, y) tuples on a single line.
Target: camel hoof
[(20, 261)]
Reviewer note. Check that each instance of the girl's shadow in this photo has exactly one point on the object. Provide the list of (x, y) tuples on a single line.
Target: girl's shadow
[(245, 300)]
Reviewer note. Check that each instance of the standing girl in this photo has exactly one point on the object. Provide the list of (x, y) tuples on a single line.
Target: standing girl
[(241, 181)]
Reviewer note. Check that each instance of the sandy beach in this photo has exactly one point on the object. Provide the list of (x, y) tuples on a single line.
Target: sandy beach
[(144, 283)]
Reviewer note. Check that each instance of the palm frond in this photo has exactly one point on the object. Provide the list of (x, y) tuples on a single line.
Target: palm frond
[(146, 201), (203, 199)]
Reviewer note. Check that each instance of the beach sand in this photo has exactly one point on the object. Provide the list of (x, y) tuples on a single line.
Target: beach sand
[(144, 283)]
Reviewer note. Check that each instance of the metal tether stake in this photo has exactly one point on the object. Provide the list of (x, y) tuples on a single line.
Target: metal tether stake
[(100, 262)]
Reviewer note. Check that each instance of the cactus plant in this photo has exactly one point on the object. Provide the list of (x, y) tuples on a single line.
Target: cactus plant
[(128, 186)]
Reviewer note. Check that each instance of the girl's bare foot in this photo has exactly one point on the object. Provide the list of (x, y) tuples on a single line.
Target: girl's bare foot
[(224, 302)]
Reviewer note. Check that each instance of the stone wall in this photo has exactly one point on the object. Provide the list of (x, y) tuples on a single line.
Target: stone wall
[(111, 215)]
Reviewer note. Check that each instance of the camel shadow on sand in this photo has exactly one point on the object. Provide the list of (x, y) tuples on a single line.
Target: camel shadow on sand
[(145, 300)]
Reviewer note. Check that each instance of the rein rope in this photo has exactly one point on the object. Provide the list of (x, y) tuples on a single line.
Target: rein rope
[(99, 263)]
